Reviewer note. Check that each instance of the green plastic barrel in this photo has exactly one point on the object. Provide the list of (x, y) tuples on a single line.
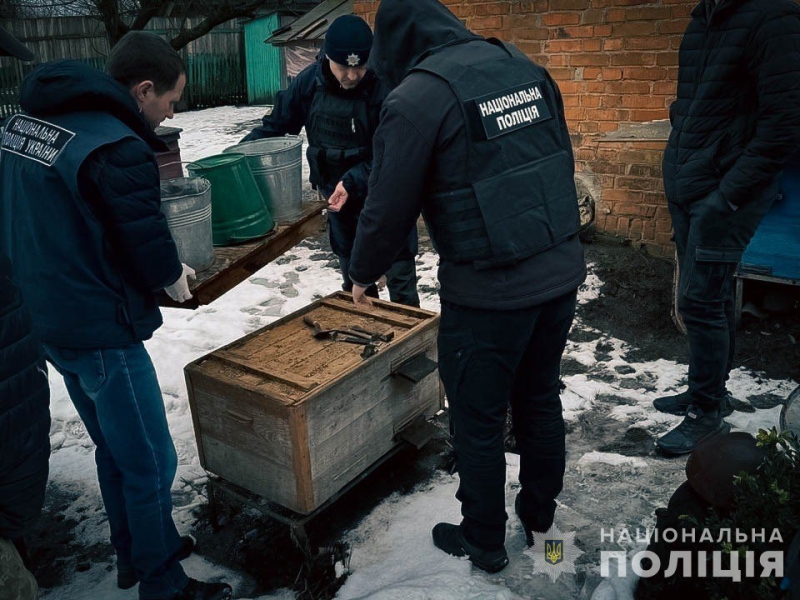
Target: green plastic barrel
[(238, 211)]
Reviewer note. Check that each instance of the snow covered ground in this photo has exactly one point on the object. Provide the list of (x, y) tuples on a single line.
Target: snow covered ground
[(392, 553)]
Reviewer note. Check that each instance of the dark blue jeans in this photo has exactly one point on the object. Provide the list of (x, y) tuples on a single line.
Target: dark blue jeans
[(489, 359), (710, 239), (116, 394), (401, 279)]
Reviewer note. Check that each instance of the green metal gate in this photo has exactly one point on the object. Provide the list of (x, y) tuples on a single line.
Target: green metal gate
[(264, 62)]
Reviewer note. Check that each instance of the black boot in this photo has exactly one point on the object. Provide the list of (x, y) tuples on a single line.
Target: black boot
[(200, 590), (126, 574), (678, 403), (450, 538), (697, 427), (525, 527), (537, 519)]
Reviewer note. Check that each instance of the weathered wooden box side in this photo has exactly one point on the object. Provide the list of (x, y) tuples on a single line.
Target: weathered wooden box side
[(294, 418), (240, 433), (354, 422)]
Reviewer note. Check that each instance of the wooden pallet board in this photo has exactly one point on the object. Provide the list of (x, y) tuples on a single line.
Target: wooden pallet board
[(234, 264)]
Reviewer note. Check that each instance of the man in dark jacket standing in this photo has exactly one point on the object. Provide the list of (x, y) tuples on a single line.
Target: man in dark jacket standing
[(338, 100), (473, 136), (80, 219), (24, 417), (735, 123)]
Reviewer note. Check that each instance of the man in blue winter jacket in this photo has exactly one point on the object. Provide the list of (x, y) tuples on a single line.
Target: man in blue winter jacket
[(81, 222), (338, 100)]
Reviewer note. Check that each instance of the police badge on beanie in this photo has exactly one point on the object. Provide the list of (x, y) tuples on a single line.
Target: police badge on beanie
[(348, 41)]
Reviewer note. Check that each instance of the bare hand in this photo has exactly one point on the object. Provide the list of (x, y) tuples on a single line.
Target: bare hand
[(360, 298), (338, 198)]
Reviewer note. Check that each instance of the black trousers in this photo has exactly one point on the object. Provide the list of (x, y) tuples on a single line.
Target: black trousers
[(401, 279), (710, 239), (488, 359)]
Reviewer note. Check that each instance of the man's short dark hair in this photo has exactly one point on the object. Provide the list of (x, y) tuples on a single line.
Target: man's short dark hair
[(141, 56)]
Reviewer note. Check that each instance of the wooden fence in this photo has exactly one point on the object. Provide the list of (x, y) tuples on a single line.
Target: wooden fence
[(215, 62)]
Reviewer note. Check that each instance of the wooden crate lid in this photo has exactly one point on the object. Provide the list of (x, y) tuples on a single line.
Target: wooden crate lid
[(285, 362)]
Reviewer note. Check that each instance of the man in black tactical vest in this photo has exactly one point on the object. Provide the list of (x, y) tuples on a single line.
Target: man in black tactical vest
[(473, 136), (338, 100)]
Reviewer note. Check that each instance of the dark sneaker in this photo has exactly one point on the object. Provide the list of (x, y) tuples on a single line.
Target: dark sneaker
[(528, 531), (677, 404), (200, 590), (126, 575), (450, 538), (697, 427)]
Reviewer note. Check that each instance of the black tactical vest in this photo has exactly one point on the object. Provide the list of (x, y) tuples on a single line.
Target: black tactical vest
[(520, 198), (339, 131)]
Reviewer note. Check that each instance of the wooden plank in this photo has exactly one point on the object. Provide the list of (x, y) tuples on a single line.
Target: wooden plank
[(195, 416), (234, 264), (397, 320), (248, 470), (245, 425), (297, 381), (391, 410), (419, 314), (298, 425), (231, 381)]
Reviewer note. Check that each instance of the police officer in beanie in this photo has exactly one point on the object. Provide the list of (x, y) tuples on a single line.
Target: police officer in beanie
[(473, 136), (338, 100)]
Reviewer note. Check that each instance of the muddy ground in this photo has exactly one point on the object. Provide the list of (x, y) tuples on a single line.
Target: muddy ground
[(634, 306)]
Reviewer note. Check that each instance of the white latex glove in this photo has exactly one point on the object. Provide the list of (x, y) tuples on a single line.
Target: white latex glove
[(179, 291)]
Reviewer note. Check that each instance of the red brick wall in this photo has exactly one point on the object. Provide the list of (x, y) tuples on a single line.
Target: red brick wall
[(615, 62)]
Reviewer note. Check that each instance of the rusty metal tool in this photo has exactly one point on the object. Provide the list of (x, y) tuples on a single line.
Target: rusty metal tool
[(318, 331), (374, 335), (342, 335)]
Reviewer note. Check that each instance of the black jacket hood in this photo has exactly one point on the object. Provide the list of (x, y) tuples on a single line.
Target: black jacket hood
[(406, 31), (68, 86)]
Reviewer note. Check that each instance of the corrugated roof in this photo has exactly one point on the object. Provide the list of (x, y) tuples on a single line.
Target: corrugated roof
[(313, 25)]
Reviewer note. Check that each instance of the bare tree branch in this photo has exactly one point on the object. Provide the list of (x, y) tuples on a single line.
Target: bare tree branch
[(120, 16)]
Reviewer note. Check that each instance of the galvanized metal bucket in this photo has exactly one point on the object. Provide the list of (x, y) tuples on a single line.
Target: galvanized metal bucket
[(239, 211), (186, 203), (277, 165)]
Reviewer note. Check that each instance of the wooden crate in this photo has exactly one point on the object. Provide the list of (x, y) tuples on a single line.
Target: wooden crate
[(295, 419)]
